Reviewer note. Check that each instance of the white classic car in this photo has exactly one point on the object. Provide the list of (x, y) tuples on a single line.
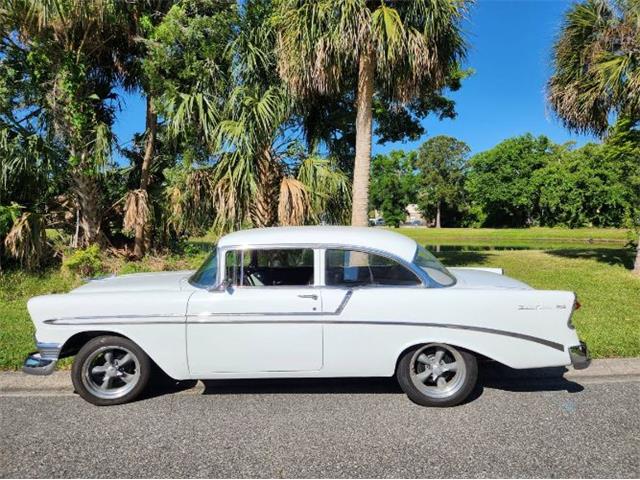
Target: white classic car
[(305, 302)]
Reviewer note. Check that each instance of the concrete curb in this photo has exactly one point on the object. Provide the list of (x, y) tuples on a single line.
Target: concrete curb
[(604, 370)]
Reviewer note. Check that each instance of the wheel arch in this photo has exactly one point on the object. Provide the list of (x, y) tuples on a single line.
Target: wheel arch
[(481, 357), (74, 343)]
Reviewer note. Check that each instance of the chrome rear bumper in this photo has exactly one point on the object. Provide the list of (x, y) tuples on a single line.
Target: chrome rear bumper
[(579, 354), (42, 362)]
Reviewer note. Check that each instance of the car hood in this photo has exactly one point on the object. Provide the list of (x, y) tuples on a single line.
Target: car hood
[(468, 278), (167, 281)]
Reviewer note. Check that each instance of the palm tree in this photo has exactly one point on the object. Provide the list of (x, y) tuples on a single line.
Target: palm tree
[(394, 48), (252, 177), (81, 50), (597, 68), (257, 171)]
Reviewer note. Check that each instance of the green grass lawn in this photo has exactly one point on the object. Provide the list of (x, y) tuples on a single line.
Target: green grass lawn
[(517, 235), (609, 320)]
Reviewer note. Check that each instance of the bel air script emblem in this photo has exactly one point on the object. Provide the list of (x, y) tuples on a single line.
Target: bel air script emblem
[(541, 307)]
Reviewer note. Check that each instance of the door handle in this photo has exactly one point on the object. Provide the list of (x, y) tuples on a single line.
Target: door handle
[(313, 296)]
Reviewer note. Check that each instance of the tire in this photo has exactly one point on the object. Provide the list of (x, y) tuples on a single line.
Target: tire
[(455, 370), (103, 357)]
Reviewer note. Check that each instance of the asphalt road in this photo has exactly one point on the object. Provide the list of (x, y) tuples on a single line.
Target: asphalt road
[(359, 428)]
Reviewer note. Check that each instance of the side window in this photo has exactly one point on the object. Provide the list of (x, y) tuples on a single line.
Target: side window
[(268, 268), (351, 267)]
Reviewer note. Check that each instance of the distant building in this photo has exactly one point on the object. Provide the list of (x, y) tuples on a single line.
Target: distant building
[(413, 215)]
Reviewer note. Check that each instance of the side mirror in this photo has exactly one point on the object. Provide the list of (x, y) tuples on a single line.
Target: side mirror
[(225, 286)]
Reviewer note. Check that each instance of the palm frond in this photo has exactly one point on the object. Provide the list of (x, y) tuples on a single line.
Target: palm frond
[(136, 210), (26, 241), (293, 204), (329, 190), (416, 43), (596, 65)]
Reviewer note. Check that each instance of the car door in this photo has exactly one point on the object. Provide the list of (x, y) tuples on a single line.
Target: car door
[(263, 320), (363, 295)]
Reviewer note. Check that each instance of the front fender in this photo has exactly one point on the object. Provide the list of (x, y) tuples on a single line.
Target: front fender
[(156, 321)]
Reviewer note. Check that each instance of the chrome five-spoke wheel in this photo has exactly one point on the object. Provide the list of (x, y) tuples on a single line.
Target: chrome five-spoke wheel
[(436, 374), (437, 370), (109, 370)]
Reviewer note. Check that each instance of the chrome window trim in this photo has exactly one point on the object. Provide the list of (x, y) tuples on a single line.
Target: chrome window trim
[(222, 260), (379, 253), (425, 280), (432, 282)]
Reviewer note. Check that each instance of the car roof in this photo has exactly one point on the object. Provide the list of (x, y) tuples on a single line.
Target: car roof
[(370, 238)]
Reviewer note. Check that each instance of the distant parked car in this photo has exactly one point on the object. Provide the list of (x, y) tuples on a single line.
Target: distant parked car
[(305, 302)]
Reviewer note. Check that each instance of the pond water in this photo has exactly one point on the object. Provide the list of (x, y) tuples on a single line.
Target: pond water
[(543, 245)]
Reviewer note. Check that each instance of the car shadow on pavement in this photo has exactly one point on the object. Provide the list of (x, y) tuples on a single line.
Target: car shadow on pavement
[(498, 376), (303, 385), (492, 375)]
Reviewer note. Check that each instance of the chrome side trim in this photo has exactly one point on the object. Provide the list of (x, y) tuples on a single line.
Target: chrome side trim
[(65, 320), (337, 311), (491, 331), (100, 320), (343, 303), (521, 336)]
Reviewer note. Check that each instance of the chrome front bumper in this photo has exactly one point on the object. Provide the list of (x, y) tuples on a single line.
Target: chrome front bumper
[(579, 354), (42, 362)]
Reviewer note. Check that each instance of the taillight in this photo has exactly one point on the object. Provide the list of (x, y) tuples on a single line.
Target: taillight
[(576, 306)]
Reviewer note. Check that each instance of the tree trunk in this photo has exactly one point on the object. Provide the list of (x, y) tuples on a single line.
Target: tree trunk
[(264, 210), (88, 196), (364, 117), (438, 209), (636, 266), (143, 230)]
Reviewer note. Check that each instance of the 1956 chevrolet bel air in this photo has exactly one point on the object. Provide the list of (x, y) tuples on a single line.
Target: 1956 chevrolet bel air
[(305, 302)]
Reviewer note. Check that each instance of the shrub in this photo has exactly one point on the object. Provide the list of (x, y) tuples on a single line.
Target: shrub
[(84, 262)]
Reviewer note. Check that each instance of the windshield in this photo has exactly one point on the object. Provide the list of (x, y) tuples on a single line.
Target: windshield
[(206, 275), (436, 271)]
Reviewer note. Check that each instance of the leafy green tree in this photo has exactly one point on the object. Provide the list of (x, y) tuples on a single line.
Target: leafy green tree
[(227, 99), (442, 164), (393, 185), (400, 50), (183, 69), (499, 180), (597, 68), (623, 147), (330, 120), (582, 188)]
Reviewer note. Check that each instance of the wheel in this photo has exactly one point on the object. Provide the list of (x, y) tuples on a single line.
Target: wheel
[(437, 375), (110, 370)]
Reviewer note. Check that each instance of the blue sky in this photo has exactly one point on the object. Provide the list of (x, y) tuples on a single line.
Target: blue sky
[(510, 52)]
